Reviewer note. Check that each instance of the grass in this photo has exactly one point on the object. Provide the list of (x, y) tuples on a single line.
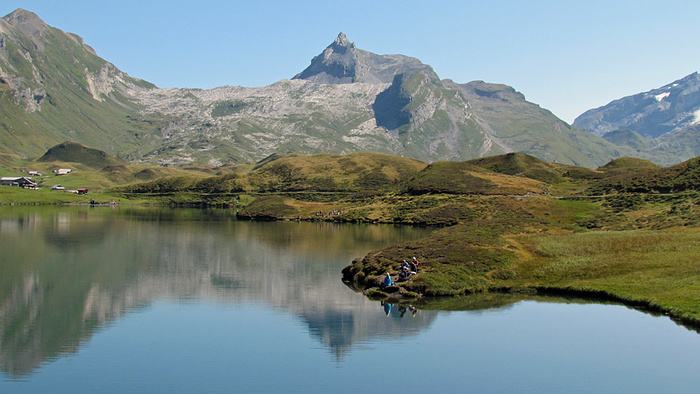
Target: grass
[(17, 196), (657, 269)]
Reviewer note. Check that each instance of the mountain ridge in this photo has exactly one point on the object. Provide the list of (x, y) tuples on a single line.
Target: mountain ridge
[(662, 123), (347, 100), (672, 107)]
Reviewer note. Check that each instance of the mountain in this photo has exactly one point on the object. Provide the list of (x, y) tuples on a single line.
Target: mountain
[(663, 123), (342, 62), (351, 100), (652, 114), (54, 88)]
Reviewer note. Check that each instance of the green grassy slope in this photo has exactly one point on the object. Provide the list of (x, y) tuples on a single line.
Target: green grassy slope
[(48, 97)]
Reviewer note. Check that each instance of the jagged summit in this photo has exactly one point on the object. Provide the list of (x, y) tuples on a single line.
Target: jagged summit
[(342, 41), (342, 62)]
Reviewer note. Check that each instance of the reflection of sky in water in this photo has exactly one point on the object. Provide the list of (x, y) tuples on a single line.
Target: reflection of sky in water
[(529, 348), (155, 303)]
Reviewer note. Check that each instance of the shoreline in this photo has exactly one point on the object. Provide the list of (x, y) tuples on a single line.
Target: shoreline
[(481, 255)]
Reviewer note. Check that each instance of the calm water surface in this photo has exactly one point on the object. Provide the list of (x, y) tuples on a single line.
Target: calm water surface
[(154, 300)]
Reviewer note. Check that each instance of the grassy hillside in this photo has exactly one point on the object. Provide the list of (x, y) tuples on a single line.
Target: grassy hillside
[(56, 89), (465, 178), (628, 138), (353, 173), (520, 164), (638, 176)]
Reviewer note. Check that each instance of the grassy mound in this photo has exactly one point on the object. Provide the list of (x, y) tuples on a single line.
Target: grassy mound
[(519, 164), (465, 178), (630, 164), (331, 173), (73, 152), (639, 176), (268, 208)]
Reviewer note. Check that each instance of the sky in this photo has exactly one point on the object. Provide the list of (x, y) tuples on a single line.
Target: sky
[(566, 56)]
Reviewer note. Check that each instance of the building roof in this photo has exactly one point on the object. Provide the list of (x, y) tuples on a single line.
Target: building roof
[(18, 179)]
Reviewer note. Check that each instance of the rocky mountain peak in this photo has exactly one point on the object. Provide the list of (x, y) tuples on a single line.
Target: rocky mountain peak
[(27, 22), (342, 41), (342, 62)]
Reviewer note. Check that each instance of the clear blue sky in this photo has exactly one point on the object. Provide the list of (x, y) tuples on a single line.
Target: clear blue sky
[(566, 56)]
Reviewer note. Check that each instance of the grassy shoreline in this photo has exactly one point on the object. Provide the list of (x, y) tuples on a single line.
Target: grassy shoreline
[(653, 267), (520, 252), (655, 270)]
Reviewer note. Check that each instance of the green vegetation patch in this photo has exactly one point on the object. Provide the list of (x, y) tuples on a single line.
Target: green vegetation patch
[(656, 268), (73, 152), (226, 108), (519, 164), (450, 178), (168, 185), (268, 208)]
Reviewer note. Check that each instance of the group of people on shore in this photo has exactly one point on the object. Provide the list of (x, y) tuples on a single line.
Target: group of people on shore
[(330, 214), (406, 270)]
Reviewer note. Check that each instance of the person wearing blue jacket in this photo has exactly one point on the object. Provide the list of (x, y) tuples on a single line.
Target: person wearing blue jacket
[(387, 280)]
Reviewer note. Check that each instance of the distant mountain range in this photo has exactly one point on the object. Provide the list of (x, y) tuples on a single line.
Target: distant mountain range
[(54, 88), (661, 121)]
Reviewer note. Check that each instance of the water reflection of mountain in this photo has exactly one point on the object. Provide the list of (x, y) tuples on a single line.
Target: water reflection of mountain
[(65, 273)]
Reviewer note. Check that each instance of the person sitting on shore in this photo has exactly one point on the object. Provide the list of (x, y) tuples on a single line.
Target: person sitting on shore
[(387, 280), (404, 273)]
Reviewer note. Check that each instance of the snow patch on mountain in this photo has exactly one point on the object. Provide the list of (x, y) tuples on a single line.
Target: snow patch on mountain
[(696, 118), (652, 114), (662, 96)]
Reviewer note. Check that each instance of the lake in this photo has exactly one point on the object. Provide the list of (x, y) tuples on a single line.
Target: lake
[(134, 299)]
